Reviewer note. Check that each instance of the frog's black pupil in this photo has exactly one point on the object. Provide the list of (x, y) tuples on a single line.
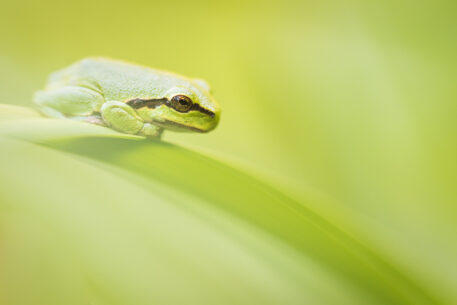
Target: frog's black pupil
[(183, 102)]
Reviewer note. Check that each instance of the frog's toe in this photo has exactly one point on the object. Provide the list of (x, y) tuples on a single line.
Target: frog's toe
[(95, 119), (151, 131)]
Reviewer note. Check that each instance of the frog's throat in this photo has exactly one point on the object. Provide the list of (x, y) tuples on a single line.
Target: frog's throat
[(138, 103)]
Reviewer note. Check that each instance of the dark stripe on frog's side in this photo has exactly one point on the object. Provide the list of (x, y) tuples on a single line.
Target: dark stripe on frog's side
[(138, 103)]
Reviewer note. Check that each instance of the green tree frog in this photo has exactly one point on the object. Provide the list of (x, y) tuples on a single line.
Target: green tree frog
[(129, 98)]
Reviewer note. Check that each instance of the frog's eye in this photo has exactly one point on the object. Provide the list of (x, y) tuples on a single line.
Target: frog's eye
[(181, 103)]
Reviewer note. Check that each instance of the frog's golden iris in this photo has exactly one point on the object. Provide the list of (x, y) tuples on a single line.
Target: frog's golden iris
[(181, 103)]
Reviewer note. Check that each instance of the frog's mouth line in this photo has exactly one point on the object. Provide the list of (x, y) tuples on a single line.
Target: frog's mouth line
[(166, 123), (138, 103)]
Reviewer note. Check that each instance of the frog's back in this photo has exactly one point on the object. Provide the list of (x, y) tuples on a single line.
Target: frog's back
[(120, 80)]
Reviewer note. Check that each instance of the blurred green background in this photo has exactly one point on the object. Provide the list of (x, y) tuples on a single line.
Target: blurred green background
[(352, 102)]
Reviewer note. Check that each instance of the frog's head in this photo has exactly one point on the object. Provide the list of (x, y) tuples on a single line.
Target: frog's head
[(185, 107)]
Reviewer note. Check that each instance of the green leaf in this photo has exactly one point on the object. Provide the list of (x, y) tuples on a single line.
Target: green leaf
[(92, 216)]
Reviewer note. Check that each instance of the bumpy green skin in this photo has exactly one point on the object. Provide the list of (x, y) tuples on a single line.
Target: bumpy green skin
[(97, 90)]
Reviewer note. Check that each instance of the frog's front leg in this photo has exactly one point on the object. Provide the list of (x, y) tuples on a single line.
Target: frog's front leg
[(124, 118), (121, 117)]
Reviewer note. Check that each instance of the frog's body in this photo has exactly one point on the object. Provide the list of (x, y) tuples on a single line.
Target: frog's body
[(129, 98)]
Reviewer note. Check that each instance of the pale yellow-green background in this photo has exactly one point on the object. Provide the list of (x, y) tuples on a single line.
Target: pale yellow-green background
[(354, 101)]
